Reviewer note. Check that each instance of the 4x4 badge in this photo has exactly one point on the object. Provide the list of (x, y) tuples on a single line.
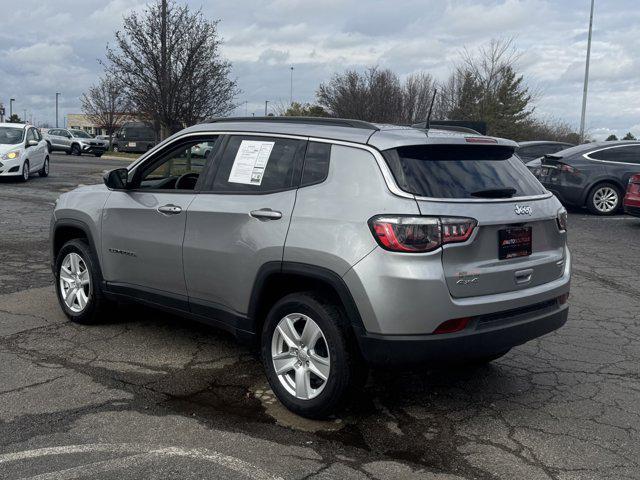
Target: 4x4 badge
[(523, 210)]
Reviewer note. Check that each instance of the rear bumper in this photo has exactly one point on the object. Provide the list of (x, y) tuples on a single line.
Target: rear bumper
[(485, 336)]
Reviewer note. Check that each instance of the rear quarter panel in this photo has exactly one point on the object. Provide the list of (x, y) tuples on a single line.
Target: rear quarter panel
[(329, 226)]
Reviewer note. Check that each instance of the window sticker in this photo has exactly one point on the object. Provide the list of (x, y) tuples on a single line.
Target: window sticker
[(251, 162)]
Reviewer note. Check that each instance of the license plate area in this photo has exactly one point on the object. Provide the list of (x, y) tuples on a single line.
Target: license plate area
[(514, 242), (132, 144)]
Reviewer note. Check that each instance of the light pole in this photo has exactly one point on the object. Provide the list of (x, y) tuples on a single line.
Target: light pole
[(57, 95), (291, 90), (11, 100), (586, 75), (266, 106)]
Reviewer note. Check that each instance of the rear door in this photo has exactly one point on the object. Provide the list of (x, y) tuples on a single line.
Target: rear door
[(620, 162), (517, 243), (239, 222)]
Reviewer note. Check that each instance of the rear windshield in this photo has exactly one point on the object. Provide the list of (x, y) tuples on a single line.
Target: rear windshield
[(461, 171)]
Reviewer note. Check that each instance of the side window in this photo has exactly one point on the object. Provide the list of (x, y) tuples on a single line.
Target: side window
[(627, 154), (316, 163), (30, 135), (179, 168), (257, 164), (37, 134)]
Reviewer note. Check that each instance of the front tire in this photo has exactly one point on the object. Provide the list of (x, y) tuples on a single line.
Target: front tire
[(25, 171), (79, 283), (75, 150), (98, 154), (309, 355), (116, 149), (44, 171), (604, 199)]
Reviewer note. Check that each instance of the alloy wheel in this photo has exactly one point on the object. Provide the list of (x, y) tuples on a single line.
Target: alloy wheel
[(605, 199), (300, 356), (75, 282), (46, 167), (25, 171)]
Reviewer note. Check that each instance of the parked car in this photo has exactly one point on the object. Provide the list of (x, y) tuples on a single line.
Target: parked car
[(331, 244), (74, 142), (632, 198), (106, 139), (22, 151), (528, 151), (134, 137), (594, 175)]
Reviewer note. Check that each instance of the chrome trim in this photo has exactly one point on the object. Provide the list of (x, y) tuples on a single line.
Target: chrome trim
[(382, 164)]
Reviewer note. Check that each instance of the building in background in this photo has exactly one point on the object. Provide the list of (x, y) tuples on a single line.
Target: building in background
[(80, 121)]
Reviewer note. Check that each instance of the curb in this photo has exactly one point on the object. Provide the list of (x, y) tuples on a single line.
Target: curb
[(124, 159)]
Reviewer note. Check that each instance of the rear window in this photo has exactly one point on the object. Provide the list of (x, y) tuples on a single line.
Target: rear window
[(460, 171)]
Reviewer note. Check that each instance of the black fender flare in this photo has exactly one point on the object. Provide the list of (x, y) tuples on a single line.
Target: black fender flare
[(312, 272), (80, 225)]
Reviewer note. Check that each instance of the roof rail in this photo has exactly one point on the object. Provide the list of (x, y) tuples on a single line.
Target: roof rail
[(336, 122)]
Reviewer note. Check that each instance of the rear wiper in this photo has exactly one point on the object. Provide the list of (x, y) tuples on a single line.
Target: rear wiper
[(495, 193)]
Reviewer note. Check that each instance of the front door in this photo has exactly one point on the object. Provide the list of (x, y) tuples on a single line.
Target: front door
[(239, 221), (35, 153), (143, 227)]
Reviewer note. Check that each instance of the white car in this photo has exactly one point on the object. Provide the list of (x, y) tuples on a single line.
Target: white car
[(23, 151)]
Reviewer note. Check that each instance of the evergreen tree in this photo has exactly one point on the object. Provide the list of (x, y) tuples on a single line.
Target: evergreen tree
[(629, 136), (611, 138)]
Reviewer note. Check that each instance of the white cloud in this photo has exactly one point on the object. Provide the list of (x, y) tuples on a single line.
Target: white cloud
[(59, 44)]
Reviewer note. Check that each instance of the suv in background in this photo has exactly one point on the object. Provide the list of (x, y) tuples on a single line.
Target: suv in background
[(74, 142), (332, 244), (594, 174), (134, 137)]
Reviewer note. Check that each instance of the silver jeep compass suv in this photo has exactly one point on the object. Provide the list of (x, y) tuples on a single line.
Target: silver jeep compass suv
[(333, 244)]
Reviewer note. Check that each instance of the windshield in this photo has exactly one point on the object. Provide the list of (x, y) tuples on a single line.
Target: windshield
[(461, 171), (80, 134), (11, 135)]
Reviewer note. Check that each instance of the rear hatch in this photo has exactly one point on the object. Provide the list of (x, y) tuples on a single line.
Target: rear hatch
[(517, 242)]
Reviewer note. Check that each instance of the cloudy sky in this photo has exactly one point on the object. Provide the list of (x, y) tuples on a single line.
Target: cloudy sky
[(49, 46)]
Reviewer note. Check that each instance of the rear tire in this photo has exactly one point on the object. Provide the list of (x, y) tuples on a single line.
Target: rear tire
[(331, 353), (604, 199), (44, 171), (90, 306), (25, 171)]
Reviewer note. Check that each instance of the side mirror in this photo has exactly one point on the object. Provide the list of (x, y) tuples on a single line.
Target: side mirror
[(116, 179), (32, 143)]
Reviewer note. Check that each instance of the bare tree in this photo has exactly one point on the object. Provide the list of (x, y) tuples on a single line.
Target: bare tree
[(377, 96), (168, 60), (106, 105)]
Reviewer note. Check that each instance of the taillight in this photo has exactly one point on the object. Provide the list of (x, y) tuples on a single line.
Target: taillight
[(407, 234), (561, 218), (634, 185), (563, 167)]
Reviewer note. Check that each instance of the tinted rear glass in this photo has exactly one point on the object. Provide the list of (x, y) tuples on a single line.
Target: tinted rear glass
[(458, 171)]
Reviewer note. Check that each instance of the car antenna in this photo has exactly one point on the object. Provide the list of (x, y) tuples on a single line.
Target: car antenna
[(433, 99)]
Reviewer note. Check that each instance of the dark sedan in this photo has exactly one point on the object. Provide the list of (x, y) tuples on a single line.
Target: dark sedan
[(594, 175)]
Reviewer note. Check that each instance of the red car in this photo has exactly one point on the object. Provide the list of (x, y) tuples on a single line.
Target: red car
[(632, 198)]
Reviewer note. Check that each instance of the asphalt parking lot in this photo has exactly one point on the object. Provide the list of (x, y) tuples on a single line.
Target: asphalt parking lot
[(153, 396)]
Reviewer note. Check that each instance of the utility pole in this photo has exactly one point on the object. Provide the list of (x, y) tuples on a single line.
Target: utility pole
[(57, 95), (586, 75), (291, 92), (266, 106), (11, 100)]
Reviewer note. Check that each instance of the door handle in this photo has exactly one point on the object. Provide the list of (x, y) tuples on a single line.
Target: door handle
[(169, 209), (266, 214)]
